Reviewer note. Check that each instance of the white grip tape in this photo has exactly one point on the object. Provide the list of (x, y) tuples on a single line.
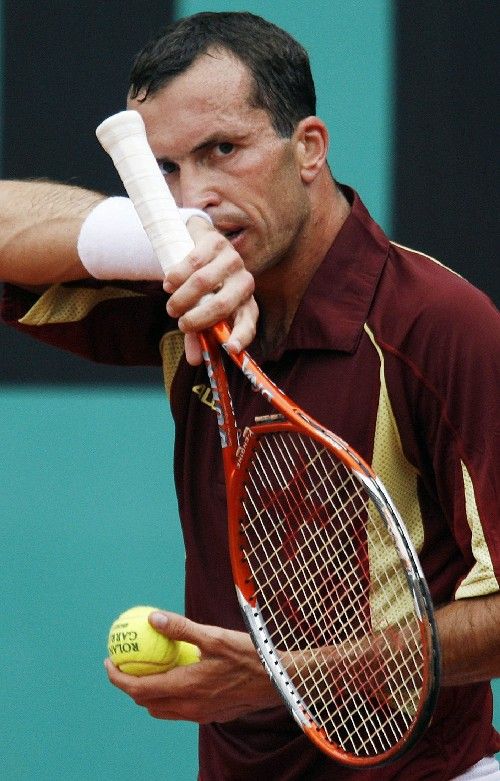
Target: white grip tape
[(123, 136)]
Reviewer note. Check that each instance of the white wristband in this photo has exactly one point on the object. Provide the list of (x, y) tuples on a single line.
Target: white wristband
[(113, 244)]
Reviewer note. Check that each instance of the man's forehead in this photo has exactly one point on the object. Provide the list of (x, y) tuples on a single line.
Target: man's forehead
[(214, 73), (212, 95)]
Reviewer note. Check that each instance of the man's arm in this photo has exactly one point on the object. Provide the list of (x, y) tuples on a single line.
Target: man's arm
[(469, 631), (39, 227), (231, 681)]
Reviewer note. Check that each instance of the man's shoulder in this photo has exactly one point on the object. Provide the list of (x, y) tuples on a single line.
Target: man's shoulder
[(420, 284), (430, 316)]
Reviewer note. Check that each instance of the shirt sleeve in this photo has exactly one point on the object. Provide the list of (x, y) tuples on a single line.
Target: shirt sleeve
[(114, 323), (451, 386), (466, 440)]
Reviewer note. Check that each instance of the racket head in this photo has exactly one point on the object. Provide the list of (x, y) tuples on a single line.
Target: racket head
[(332, 593)]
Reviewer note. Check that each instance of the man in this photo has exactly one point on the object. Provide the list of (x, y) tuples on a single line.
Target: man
[(379, 343)]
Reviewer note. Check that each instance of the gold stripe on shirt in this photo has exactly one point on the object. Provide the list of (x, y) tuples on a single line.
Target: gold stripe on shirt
[(172, 350), (389, 462), (399, 477), (423, 255), (61, 304), (481, 579)]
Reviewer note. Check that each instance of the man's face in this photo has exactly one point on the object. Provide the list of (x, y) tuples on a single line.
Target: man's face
[(222, 155)]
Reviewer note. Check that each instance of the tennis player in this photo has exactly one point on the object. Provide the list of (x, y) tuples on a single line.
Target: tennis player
[(381, 343)]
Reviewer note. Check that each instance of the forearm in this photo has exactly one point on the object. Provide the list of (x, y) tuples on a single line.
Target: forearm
[(39, 226), (469, 632)]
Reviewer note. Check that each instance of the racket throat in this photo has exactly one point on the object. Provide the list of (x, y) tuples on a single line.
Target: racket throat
[(228, 432)]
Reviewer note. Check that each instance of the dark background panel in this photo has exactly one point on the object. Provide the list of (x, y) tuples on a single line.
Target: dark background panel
[(446, 194), (66, 67)]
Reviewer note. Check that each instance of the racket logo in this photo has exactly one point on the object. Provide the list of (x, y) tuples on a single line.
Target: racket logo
[(242, 449), (216, 399), (257, 386)]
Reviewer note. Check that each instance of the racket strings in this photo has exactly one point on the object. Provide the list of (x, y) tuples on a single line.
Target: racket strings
[(332, 593)]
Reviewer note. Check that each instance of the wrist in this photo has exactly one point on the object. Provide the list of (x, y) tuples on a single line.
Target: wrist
[(112, 243)]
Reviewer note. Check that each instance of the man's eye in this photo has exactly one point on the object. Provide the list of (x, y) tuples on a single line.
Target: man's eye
[(225, 148), (166, 167)]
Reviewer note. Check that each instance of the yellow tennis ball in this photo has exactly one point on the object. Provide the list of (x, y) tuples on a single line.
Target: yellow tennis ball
[(188, 653), (138, 649)]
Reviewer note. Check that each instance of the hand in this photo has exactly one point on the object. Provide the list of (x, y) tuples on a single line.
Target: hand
[(228, 682), (209, 285)]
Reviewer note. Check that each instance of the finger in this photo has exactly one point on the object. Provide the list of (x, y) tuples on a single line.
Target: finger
[(175, 626), (148, 688), (212, 266), (244, 326), (210, 247), (192, 349), (121, 680), (221, 304), (242, 333), (211, 640), (198, 227)]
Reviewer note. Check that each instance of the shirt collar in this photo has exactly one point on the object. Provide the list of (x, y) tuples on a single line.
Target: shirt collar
[(335, 306)]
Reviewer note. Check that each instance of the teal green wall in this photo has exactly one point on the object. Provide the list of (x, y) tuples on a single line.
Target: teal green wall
[(88, 527)]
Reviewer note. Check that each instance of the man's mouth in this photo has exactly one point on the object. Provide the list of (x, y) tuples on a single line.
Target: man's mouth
[(232, 230), (233, 234)]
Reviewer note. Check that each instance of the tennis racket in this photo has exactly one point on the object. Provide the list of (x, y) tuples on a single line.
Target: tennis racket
[(327, 578)]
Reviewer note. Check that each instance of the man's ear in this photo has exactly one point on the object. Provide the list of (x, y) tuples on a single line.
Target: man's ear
[(312, 147)]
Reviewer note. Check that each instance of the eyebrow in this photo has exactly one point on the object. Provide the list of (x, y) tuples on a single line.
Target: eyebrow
[(215, 138)]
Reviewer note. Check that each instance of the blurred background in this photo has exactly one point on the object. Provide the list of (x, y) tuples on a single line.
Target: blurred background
[(88, 517)]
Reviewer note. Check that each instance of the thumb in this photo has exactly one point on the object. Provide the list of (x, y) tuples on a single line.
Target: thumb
[(180, 630), (174, 626)]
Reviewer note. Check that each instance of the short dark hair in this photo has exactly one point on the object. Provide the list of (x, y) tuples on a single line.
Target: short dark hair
[(282, 79)]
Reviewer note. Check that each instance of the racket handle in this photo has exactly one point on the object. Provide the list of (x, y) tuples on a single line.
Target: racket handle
[(123, 136)]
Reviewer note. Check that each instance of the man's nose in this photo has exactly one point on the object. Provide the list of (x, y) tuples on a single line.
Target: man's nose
[(197, 189)]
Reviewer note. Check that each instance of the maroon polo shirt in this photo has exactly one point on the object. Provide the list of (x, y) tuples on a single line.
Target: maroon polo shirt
[(400, 357)]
